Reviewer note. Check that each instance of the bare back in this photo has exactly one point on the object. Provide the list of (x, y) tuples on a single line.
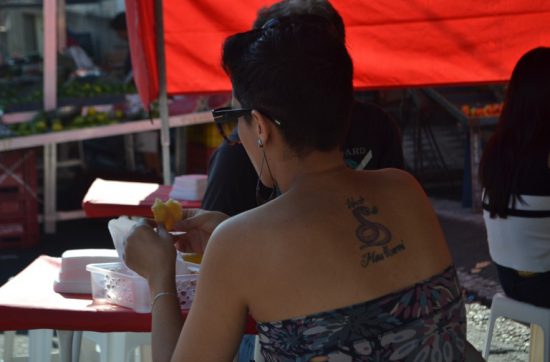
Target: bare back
[(335, 242)]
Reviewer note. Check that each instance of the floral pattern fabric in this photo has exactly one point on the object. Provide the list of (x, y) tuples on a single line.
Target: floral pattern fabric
[(424, 322)]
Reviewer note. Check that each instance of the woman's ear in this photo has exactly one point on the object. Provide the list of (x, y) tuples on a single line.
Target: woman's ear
[(262, 126)]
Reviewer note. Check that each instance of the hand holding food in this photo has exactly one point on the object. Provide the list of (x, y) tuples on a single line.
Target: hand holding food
[(198, 226), (167, 213), (145, 249)]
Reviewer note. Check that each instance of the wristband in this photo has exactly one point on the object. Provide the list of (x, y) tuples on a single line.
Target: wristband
[(161, 294)]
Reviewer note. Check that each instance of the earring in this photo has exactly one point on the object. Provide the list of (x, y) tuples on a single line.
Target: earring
[(260, 143)]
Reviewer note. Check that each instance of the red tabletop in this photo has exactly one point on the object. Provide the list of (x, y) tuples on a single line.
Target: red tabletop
[(28, 301), (115, 198)]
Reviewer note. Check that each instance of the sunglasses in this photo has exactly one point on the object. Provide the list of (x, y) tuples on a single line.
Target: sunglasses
[(226, 118)]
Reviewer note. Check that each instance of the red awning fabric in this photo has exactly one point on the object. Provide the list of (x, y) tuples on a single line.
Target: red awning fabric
[(398, 43)]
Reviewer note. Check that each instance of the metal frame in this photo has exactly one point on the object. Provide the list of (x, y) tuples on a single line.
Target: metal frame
[(163, 96), (50, 103), (475, 126)]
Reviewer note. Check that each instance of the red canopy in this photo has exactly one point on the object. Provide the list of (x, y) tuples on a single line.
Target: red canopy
[(395, 43)]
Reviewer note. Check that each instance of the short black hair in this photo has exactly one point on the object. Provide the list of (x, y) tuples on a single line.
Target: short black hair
[(118, 23), (294, 69), (322, 8)]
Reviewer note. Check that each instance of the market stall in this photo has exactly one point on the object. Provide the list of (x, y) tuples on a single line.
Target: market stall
[(62, 81), (175, 49), (477, 109), (432, 43), (176, 45)]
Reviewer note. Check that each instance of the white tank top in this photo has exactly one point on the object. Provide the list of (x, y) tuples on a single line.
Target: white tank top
[(522, 240)]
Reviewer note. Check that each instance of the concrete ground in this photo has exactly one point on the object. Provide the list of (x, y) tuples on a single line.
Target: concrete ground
[(465, 233)]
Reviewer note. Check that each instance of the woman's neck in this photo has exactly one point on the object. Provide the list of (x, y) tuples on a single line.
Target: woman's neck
[(294, 171)]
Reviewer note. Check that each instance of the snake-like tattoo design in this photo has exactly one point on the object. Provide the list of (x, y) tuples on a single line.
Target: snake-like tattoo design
[(370, 233)]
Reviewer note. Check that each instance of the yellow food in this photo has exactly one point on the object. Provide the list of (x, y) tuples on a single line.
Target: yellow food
[(192, 258), (167, 213), (175, 209), (159, 211)]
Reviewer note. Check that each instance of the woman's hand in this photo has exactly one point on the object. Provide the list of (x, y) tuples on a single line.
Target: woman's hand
[(198, 225), (150, 254)]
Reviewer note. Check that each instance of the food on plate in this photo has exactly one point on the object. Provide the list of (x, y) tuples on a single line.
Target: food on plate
[(167, 213)]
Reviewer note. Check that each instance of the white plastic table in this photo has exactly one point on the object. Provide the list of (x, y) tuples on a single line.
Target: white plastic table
[(28, 302)]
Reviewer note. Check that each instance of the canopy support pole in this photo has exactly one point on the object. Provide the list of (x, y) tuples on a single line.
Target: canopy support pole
[(163, 96), (49, 8)]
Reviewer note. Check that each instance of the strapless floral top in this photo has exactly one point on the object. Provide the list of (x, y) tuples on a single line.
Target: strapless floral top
[(423, 322)]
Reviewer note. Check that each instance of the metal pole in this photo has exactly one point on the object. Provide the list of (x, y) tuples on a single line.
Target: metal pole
[(61, 25), (163, 97), (50, 103), (50, 54)]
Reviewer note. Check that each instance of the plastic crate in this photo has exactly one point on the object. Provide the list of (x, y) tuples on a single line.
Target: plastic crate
[(18, 168), (12, 234), (18, 199), (19, 232), (111, 283), (12, 205)]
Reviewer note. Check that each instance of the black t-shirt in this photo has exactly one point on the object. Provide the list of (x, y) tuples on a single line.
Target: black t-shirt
[(373, 142), (374, 139)]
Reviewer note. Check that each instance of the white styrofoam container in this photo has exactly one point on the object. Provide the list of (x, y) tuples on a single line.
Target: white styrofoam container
[(113, 283), (73, 276)]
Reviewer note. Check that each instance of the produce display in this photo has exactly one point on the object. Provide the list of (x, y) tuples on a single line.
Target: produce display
[(76, 117), (9, 96), (90, 89), (20, 95), (488, 110), (45, 122)]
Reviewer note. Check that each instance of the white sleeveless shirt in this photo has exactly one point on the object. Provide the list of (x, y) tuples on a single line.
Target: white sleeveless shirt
[(522, 240)]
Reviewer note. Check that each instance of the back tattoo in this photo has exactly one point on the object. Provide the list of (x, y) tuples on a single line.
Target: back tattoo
[(373, 236)]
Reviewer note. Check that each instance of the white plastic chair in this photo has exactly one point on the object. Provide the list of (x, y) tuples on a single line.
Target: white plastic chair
[(9, 341), (503, 306), (115, 346), (118, 346)]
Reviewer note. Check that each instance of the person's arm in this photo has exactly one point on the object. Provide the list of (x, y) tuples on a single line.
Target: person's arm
[(198, 226), (216, 322), (153, 256), (166, 319)]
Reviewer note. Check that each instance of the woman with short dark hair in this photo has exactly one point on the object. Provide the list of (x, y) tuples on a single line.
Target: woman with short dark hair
[(344, 265)]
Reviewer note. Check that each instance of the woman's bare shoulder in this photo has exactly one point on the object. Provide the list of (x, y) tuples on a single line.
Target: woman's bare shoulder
[(392, 175), (237, 236), (403, 196), (395, 182)]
